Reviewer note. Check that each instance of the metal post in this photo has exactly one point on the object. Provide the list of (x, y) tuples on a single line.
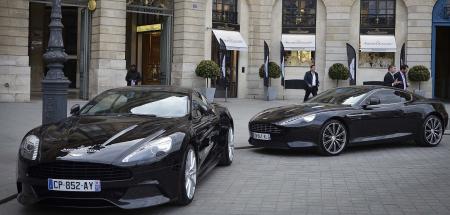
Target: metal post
[(55, 84)]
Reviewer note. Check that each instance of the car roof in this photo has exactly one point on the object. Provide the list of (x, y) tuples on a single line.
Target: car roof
[(371, 87), (156, 88)]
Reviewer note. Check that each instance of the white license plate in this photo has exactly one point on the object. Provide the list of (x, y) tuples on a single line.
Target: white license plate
[(74, 185), (261, 136)]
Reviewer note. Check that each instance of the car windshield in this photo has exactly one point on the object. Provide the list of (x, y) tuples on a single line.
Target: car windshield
[(341, 96), (144, 103)]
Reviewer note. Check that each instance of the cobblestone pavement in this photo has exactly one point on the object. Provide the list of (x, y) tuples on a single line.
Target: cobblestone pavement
[(397, 178)]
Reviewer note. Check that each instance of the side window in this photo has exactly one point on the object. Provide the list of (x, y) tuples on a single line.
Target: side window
[(387, 97), (405, 97)]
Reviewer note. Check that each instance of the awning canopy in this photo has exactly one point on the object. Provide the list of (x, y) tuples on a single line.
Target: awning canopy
[(298, 42), (378, 43), (233, 40)]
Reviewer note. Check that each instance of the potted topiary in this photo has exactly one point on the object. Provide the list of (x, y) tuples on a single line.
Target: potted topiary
[(209, 70), (418, 74), (274, 72), (338, 72)]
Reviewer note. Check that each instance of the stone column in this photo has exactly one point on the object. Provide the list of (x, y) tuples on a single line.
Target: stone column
[(188, 42), (14, 68), (337, 35), (260, 29), (418, 45), (108, 64)]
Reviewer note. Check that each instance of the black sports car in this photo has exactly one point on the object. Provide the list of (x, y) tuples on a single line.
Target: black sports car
[(130, 147), (351, 115)]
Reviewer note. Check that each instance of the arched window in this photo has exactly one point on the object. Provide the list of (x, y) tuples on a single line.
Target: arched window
[(378, 17), (299, 16), (225, 15)]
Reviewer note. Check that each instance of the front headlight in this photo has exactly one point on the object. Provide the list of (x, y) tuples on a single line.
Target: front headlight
[(29, 147), (151, 149), (297, 119)]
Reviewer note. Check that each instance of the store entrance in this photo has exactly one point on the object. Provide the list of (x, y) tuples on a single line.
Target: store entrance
[(38, 40), (442, 70), (230, 85), (151, 58)]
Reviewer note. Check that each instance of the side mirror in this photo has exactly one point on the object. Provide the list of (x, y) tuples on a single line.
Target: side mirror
[(75, 110)]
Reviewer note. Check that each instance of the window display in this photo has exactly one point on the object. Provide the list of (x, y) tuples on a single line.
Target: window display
[(376, 60), (299, 58)]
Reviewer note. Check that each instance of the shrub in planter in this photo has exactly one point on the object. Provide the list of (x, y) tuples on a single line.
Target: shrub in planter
[(208, 69), (418, 74), (338, 72), (274, 70)]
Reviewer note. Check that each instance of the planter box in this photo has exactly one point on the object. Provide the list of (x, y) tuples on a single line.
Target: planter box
[(270, 93), (208, 93), (420, 92)]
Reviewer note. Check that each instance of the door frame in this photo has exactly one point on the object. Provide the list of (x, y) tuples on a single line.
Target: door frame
[(438, 20)]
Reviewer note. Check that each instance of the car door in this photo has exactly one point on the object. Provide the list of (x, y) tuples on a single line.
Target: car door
[(204, 129), (378, 122)]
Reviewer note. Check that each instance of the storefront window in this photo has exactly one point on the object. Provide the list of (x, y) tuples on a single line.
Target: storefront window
[(299, 16), (378, 17), (224, 14), (376, 60), (299, 58)]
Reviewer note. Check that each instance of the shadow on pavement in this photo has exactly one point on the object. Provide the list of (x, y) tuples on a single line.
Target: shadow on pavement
[(313, 152)]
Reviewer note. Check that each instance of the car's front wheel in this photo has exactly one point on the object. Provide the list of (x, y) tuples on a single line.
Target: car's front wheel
[(333, 138), (188, 182), (228, 150), (431, 132)]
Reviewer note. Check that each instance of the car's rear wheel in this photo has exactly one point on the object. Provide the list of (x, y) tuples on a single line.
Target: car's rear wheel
[(228, 150), (333, 138), (431, 132), (188, 182)]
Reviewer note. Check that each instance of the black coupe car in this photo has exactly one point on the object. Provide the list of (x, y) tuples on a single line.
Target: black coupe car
[(351, 115), (130, 147)]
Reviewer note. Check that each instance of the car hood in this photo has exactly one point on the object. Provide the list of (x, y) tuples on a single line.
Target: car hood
[(99, 138), (280, 113)]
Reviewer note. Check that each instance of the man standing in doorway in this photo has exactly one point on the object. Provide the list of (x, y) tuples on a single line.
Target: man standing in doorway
[(390, 78), (312, 81), (133, 77), (401, 76)]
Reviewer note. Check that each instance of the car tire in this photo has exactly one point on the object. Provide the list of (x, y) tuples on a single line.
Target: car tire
[(333, 138), (431, 132), (189, 169), (228, 149)]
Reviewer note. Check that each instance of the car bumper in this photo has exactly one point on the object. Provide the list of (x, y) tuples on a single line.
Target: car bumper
[(147, 187), (289, 137)]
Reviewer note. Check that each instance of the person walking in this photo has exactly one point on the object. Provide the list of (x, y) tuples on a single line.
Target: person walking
[(401, 77), (312, 81), (133, 77), (390, 78)]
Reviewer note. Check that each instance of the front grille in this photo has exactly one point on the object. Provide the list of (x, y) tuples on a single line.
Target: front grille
[(79, 171), (264, 128)]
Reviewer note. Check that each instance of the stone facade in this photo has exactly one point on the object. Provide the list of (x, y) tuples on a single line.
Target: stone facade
[(337, 23), (14, 68), (108, 64)]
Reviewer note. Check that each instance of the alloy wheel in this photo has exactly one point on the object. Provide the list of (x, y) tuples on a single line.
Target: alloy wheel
[(334, 138), (190, 174), (230, 144), (433, 130)]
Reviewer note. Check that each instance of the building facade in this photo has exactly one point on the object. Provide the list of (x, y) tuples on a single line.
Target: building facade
[(166, 39)]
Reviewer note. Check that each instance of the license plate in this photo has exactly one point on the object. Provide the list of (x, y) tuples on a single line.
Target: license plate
[(74, 185), (261, 136)]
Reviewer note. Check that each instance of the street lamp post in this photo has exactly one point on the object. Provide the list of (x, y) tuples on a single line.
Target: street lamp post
[(55, 84)]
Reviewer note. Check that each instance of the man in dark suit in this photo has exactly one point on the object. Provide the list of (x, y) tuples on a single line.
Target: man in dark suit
[(401, 77), (390, 79), (312, 81)]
